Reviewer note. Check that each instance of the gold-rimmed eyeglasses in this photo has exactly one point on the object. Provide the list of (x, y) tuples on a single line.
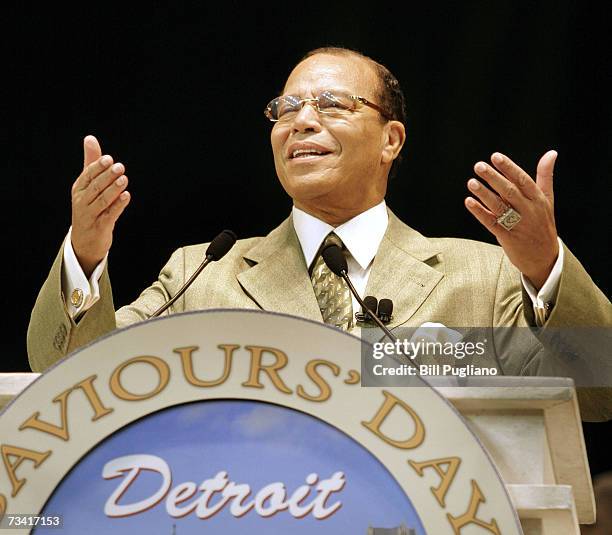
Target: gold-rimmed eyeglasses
[(285, 107)]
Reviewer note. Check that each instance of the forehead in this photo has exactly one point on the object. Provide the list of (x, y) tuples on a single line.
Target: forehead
[(323, 71)]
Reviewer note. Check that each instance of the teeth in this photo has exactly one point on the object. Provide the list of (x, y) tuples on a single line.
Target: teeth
[(299, 152)]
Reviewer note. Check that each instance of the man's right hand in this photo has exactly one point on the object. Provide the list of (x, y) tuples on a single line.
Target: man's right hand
[(98, 199)]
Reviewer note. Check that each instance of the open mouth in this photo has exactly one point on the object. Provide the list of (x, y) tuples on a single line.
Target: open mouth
[(305, 154)]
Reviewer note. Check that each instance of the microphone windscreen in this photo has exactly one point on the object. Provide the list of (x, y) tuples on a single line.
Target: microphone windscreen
[(371, 302), (222, 243), (332, 254), (385, 307)]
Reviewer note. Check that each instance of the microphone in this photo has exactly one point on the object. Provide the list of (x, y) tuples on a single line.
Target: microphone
[(217, 249), (372, 303), (221, 245), (336, 262), (385, 310)]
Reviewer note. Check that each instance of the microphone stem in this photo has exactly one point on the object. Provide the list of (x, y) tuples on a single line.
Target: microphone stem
[(376, 319), (372, 313), (169, 303)]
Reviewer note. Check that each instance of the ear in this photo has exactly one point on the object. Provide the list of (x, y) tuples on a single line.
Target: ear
[(393, 140)]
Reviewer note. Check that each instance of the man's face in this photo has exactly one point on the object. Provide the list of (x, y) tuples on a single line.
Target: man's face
[(351, 176)]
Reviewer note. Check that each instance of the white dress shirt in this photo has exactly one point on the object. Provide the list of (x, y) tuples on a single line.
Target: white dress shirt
[(361, 236), (80, 293)]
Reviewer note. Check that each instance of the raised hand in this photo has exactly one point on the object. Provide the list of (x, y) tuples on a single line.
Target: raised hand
[(98, 199), (531, 243)]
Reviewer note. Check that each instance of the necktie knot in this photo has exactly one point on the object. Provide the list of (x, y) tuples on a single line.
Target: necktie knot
[(333, 239)]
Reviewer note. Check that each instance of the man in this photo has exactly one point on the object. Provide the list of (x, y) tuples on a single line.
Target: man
[(338, 129)]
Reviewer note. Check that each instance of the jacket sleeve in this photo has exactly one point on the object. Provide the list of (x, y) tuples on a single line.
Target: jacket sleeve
[(52, 333), (574, 341)]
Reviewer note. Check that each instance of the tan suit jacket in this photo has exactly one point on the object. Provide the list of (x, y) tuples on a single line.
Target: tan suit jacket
[(451, 281)]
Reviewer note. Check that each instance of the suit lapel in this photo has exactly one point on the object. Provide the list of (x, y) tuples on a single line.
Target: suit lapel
[(401, 270), (278, 280)]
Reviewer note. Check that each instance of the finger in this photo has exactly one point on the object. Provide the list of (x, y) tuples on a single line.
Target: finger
[(102, 181), (91, 150), (507, 190), (488, 220), (515, 174), (91, 172), (113, 212), (544, 173), (492, 201), (109, 195)]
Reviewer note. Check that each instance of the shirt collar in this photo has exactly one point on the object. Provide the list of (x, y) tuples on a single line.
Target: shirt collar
[(361, 235)]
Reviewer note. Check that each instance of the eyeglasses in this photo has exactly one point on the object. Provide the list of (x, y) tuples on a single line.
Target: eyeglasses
[(285, 107)]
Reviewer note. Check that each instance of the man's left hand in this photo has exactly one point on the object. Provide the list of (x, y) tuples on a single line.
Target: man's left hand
[(531, 244)]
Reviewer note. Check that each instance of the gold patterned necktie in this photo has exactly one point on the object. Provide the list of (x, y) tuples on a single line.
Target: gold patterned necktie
[(331, 291)]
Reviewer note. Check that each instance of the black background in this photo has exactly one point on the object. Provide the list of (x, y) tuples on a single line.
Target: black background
[(177, 93)]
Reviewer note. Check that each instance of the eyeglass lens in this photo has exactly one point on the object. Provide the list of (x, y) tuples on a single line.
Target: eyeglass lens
[(326, 102)]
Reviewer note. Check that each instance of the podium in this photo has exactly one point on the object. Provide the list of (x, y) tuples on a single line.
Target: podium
[(534, 435), (529, 427)]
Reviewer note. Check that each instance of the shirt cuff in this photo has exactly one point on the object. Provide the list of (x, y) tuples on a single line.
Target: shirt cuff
[(544, 300), (80, 293)]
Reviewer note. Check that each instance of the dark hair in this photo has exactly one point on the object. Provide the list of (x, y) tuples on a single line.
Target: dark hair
[(390, 95)]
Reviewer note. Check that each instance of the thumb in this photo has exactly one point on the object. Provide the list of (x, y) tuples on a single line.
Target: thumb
[(91, 150), (544, 173)]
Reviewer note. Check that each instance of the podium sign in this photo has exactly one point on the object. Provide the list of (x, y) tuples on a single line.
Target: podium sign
[(237, 421)]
